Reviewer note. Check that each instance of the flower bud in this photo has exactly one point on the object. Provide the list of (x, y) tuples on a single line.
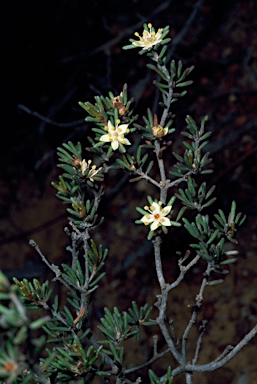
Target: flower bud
[(159, 131)]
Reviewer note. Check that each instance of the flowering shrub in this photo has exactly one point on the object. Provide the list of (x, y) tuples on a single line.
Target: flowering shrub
[(60, 346)]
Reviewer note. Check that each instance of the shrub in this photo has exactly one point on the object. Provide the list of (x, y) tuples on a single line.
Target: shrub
[(61, 345)]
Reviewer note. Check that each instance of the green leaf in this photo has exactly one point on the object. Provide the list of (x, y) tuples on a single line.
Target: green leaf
[(213, 236), (123, 164), (232, 213), (97, 279), (153, 378), (184, 84), (191, 228), (158, 71), (149, 167), (215, 282), (228, 261), (69, 274)]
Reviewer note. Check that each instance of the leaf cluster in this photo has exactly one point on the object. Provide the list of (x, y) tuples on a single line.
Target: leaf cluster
[(172, 77), (212, 236), (63, 364), (80, 279), (194, 197), (154, 379), (109, 108), (147, 129), (20, 343), (194, 160), (74, 185), (118, 327)]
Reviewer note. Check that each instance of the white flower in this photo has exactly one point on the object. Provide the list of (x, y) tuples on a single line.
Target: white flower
[(149, 38), (85, 166), (157, 216), (115, 135)]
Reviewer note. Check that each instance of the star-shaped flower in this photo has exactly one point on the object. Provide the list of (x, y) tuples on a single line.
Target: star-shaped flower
[(157, 216), (115, 135), (149, 38)]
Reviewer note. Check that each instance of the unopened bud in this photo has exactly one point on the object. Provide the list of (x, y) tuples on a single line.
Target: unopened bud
[(159, 131)]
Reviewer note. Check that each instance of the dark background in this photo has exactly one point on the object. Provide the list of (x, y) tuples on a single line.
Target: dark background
[(56, 53)]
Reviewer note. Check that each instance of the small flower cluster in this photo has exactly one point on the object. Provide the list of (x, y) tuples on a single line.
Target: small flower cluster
[(84, 169), (149, 39), (113, 113)]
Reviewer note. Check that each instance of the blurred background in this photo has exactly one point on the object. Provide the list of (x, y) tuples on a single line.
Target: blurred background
[(55, 54)]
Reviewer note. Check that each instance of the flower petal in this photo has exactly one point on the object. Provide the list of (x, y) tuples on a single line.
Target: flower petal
[(110, 125), (165, 221), (125, 142), (154, 225), (115, 144), (166, 210), (156, 206), (122, 128), (105, 138), (147, 219)]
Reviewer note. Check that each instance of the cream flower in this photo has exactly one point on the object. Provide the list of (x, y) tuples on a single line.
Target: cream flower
[(157, 216), (115, 135), (149, 38), (84, 167)]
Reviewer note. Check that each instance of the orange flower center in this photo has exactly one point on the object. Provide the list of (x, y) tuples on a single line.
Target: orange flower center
[(10, 366)]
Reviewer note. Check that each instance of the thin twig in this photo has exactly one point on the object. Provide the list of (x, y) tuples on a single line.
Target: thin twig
[(224, 353), (146, 177), (158, 264), (199, 341), (219, 362), (50, 121), (198, 304), (152, 360), (73, 248), (53, 267), (186, 25), (183, 271), (162, 301)]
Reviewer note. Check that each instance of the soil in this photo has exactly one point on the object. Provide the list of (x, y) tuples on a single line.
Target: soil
[(58, 55)]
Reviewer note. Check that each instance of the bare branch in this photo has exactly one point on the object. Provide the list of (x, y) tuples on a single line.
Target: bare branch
[(220, 361)]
